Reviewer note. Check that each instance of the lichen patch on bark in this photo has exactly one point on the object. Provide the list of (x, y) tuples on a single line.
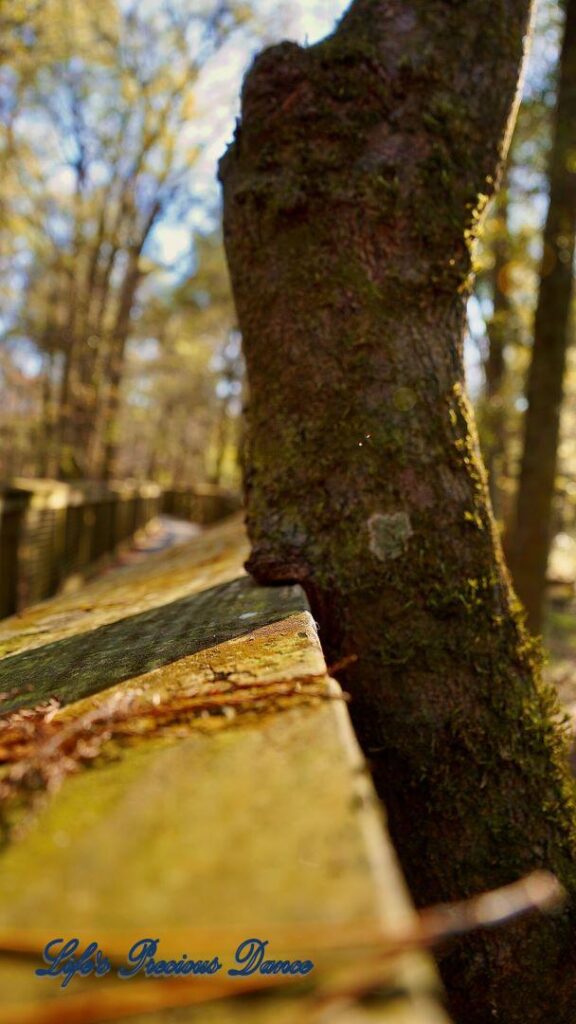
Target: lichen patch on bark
[(389, 534)]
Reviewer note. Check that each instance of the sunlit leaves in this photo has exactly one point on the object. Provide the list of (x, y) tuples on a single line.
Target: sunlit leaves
[(102, 138)]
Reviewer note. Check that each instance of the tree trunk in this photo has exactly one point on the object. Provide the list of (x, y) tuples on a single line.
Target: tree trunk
[(45, 453), (352, 192), (115, 370), (65, 429), (119, 339), (221, 440), (69, 466), (499, 334), (529, 543), (70, 456), (112, 405)]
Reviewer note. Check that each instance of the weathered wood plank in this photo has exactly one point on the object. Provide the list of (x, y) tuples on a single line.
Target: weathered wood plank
[(250, 819), (215, 557), (76, 666)]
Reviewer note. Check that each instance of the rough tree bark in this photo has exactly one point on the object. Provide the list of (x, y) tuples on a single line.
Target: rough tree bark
[(352, 193), (529, 544)]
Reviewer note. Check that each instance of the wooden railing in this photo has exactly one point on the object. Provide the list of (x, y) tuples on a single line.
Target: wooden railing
[(51, 531), (203, 504), (194, 780)]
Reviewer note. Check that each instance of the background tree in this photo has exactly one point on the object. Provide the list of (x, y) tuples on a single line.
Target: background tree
[(530, 540), (507, 262), (352, 195)]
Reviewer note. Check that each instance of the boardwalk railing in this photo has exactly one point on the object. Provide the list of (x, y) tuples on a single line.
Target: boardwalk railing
[(195, 785), (50, 531), (202, 504)]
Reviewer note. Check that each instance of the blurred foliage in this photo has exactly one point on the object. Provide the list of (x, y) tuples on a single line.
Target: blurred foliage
[(509, 260), (101, 140), (184, 370)]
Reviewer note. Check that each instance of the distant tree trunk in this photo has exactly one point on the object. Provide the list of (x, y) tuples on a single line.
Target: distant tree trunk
[(64, 428), (352, 191), (68, 465), (118, 342), (70, 456), (498, 330), (529, 543), (111, 424), (115, 372), (45, 454), (221, 440)]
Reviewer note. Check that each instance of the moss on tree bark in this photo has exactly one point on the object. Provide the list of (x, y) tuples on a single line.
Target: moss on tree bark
[(352, 194)]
